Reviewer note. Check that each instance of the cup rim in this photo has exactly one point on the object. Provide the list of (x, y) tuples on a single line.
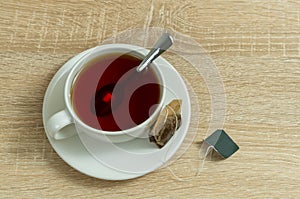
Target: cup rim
[(102, 50)]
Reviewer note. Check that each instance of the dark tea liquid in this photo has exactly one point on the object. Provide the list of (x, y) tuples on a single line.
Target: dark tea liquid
[(134, 105)]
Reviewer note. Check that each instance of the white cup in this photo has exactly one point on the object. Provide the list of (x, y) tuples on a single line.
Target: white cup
[(68, 116)]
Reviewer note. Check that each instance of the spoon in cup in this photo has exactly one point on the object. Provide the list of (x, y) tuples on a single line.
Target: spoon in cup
[(103, 98)]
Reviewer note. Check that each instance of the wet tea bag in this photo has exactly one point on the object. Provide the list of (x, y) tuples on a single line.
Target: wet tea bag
[(166, 124)]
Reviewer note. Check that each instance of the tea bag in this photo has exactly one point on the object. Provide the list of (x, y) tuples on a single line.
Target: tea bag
[(166, 124)]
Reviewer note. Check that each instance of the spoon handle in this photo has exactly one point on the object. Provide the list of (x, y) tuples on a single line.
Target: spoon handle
[(162, 44)]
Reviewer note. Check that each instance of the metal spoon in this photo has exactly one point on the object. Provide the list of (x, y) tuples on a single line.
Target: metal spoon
[(101, 103), (162, 44)]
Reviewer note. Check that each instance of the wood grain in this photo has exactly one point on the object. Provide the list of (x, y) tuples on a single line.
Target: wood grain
[(256, 47)]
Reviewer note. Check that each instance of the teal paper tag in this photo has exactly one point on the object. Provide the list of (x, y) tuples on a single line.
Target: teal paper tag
[(222, 143)]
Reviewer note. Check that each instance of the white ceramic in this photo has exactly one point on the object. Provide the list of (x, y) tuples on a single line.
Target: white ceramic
[(74, 152), (68, 116)]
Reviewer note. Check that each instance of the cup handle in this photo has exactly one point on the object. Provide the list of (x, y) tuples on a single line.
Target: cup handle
[(57, 122)]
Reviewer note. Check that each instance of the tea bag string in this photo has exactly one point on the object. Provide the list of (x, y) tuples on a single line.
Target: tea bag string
[(201, 163), (200, 168)]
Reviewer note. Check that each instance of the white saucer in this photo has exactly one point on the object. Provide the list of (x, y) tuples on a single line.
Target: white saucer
[(114, 161)]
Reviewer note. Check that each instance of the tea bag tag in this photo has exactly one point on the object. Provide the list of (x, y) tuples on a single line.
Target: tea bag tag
[(221, 143), (218, 143)]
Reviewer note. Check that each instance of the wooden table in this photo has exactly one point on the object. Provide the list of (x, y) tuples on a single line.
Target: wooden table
[(255, 46)]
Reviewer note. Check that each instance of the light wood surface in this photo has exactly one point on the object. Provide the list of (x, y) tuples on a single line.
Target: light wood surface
[(255, 46)]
